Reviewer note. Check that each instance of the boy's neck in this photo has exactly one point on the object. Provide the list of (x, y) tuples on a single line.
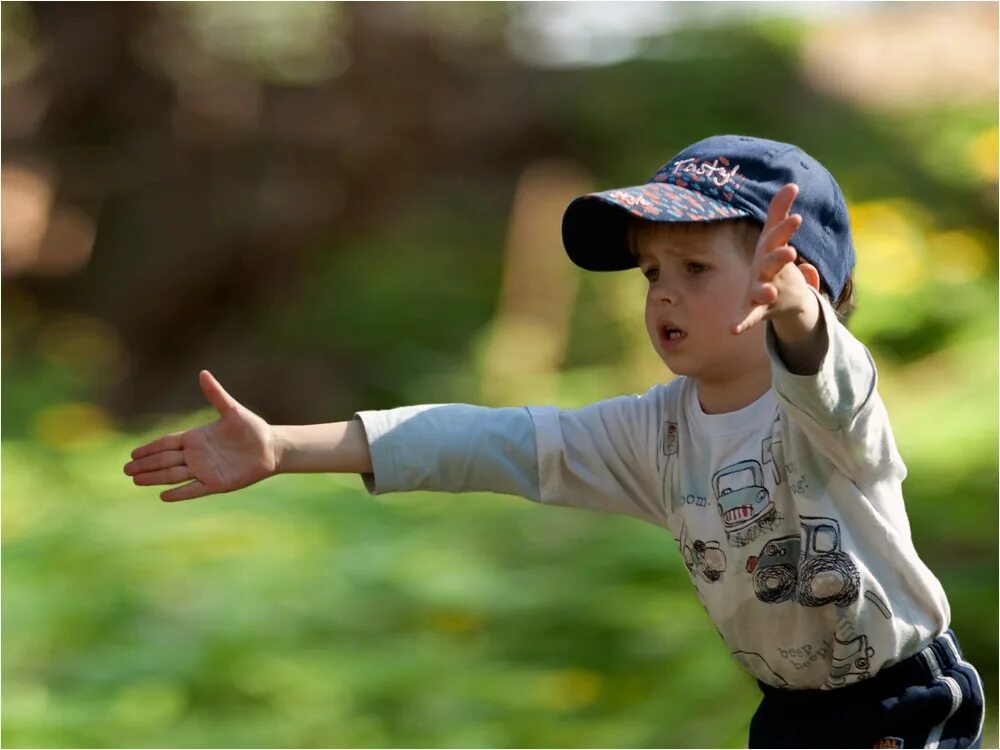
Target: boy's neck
[(720, 397)]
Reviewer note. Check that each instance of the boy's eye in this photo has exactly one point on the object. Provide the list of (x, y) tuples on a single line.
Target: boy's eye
[(694, 267), (649, 273)]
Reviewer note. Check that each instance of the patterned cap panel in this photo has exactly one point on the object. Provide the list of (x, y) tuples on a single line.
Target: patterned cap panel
[(662, 201)]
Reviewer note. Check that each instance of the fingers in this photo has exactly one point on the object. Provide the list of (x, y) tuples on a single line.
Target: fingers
[(781, 204), (772, 255), (215, 393), (781, 232), (187, 492), (763, 294), (161, 460), (166, 467), (173, 475), (774, 261), (172, 441), (756, 315)]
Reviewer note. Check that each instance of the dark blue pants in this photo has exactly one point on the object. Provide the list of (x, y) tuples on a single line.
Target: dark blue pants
[(932, 699)]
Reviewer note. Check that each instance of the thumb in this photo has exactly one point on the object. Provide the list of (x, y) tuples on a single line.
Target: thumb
[(216, 394)]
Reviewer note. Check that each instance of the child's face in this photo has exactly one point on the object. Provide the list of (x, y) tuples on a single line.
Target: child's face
[(698, 279)]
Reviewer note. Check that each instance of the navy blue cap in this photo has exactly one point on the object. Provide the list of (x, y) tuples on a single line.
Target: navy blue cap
[(718, 179)]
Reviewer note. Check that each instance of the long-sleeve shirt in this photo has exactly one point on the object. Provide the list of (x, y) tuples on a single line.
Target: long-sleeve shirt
[(788, 513)]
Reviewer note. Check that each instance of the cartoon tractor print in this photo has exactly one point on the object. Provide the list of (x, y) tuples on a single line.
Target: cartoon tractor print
[(851, 663), (811, 568), (742, 497)]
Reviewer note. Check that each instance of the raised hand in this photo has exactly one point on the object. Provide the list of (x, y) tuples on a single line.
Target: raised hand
[(235, 451), (775, 283)]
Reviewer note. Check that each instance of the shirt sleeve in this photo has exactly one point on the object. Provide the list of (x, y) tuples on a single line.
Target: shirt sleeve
[(838, 407), (451, 448), (602, 456)]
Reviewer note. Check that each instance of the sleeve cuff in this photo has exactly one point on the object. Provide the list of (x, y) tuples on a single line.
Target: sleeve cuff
[(382, 478), (548, 446), (842, 383)]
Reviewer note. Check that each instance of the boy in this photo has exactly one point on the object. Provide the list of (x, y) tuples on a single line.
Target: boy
[(770, 458)]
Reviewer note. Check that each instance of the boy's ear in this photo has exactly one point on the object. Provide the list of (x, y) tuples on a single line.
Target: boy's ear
[(810, 273)]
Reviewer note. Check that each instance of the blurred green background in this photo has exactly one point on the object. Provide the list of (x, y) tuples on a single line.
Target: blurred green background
[(342, 207)]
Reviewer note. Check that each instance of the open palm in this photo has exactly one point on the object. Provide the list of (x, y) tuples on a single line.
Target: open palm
[(235, 451), (773, 267)]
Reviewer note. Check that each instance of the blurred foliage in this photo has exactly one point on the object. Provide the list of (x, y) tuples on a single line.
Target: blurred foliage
[(302, 613), (296, 44), (290, 618)]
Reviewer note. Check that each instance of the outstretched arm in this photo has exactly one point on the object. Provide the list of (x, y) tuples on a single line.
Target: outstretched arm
[(601, 456)]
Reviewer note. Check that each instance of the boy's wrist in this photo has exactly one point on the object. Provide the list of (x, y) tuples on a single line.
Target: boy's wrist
[(337, 447), (801, 337), (280, 447)]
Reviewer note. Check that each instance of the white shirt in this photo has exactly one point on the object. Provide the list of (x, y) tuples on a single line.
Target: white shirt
[(788, 513)]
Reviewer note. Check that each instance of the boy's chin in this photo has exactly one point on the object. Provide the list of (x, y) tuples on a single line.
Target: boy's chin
[(677, 366)]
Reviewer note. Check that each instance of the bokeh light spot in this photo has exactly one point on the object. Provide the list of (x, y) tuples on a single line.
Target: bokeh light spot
[(82, 343), (889, 247), (983, 154), (73, 425), (960, 257)]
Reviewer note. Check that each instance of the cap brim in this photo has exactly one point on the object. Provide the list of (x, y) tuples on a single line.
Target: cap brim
[(593, 227)]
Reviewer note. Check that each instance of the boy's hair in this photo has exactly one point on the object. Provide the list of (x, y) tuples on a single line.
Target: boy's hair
[(747, 233)]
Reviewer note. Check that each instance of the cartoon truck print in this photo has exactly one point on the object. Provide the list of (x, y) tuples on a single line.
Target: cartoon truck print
[(851, 661), (810, 568), (776, 570), (742, 497)]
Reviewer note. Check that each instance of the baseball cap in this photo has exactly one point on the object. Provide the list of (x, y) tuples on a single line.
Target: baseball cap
[(720, 178)]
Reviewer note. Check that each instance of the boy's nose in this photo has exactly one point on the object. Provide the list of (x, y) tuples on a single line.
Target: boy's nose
[(663, 292)]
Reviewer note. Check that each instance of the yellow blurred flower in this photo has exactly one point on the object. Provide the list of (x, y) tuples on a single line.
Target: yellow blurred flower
[(983, 153), (958, 256), (72, 425), (890, 247)]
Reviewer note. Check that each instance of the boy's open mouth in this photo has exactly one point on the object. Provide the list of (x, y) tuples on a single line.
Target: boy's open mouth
[(671, 334)]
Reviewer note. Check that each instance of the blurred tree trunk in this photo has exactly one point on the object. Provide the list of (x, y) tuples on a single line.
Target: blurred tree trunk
[(205, 213)]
